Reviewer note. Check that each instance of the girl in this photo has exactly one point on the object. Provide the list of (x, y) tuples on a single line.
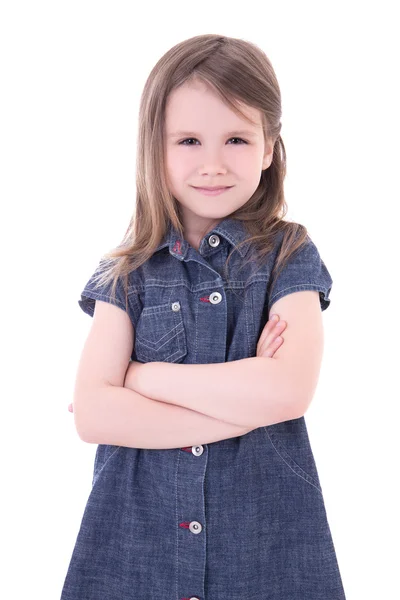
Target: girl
[(205, 485)]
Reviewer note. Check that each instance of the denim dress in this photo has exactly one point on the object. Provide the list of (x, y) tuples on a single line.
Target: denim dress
[(239, 519)]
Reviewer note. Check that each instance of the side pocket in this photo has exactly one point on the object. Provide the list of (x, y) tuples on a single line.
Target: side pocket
[(103, 454), (291, 443)]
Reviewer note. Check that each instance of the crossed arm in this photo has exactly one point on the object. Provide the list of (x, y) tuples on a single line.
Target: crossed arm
[(249, 393), (187, 404)]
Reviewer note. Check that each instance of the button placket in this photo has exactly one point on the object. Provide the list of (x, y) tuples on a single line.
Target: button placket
[(194, 527), (214, 297)]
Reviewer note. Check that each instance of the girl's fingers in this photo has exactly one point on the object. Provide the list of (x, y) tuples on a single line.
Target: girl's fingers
[(270, 332), (272, 348), (266, 332)]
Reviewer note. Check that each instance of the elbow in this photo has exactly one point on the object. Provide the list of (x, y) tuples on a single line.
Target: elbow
[(82, 430), (304, 394), (82, 418), (281, 395), (303, 405), (298, 409), (83, 434), (294, 409), (297, 404), (296, 391)]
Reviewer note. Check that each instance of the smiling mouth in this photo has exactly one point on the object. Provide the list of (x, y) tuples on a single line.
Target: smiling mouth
[(213, 189)]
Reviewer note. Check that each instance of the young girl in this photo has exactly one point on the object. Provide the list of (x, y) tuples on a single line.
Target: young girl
[(205, 485)]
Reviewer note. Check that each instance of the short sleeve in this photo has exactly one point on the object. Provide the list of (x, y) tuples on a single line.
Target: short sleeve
[(93, 291), (305, 270)]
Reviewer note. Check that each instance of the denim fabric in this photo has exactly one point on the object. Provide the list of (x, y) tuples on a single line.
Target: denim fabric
[(239, 519)]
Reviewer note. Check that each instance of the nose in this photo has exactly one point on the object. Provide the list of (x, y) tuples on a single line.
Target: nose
[(212, 163)]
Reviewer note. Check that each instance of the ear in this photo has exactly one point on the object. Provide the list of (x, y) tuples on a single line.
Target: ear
[(268, 155)]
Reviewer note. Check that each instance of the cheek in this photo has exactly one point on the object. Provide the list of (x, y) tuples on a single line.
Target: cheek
[(179, 166), (249, 162)]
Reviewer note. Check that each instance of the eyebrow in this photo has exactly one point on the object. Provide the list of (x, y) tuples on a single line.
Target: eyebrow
[(194, 134)]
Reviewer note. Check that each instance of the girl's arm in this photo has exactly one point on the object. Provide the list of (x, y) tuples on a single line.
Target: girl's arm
[(122, 417), (147, 423), (250, 392)]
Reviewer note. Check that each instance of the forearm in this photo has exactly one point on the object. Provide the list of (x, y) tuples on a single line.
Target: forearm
[(250, 392), (122, 417)]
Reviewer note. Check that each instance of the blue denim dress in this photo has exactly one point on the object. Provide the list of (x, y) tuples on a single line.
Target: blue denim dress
[(239, 519)]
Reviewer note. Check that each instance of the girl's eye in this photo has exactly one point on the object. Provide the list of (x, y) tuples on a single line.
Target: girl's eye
[(233, 138)]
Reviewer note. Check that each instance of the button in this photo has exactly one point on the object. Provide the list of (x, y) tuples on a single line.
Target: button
[(215, 298), (197, 450), (213, 240), (176, 306), (194, 598), (195, 527)]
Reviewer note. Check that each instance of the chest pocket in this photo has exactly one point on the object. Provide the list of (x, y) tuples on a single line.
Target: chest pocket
[(160, 334)]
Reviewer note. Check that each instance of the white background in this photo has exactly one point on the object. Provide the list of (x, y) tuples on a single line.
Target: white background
[(71, 78)]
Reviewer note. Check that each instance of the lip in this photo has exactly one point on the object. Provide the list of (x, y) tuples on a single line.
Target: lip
[(214, 191)]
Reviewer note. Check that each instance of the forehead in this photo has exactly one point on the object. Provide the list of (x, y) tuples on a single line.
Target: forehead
[(196, 106)]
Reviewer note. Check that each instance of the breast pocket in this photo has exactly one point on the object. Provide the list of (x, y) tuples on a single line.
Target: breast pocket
[(160, 334)]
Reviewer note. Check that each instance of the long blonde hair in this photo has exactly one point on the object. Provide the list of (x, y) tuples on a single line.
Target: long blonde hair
[(237, 70)]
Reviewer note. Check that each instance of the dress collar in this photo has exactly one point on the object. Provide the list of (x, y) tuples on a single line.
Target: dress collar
[(233, 230)]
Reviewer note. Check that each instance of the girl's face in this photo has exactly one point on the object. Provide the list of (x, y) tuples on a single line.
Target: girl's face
[(219, 148)]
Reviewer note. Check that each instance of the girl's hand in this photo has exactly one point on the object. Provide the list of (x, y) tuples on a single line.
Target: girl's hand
[(270, 339), (269, 342)]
